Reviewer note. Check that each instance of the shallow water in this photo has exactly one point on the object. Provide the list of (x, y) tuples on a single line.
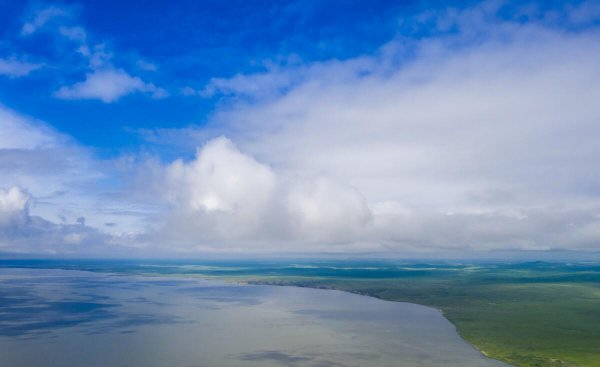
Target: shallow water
[(70, 318)]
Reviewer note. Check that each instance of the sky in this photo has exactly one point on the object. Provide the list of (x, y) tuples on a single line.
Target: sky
[(380, 128)]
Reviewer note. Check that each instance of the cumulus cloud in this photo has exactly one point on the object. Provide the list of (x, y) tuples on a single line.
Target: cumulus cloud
[(221, 179), (13, 206), (48, 176), (225, 200), (108, 86), (21, 232), (224, 196), (221, 194)]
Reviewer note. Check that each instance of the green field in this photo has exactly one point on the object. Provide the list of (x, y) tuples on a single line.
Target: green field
[(530, 314)]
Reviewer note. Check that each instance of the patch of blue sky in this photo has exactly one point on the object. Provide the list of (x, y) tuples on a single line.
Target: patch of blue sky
[(182, 47), (179, 48), (173, 47)]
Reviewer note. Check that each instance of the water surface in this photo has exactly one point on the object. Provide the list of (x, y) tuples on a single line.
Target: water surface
[(72, 318)]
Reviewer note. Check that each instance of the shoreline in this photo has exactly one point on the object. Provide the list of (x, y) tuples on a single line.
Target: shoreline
[(488, 310), (257, 283), (439, 310)]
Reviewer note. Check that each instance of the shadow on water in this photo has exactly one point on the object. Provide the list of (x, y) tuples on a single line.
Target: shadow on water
[(287, 359), (36, 307)]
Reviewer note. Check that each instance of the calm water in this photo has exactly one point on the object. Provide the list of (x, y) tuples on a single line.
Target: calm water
[(70, 318)]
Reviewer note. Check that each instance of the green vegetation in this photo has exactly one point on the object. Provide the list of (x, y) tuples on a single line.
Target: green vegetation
[(531, 314)]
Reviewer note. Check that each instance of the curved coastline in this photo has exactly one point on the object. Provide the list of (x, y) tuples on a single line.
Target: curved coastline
[(439, 310), (380, 326), (483, 309), (364, 294)]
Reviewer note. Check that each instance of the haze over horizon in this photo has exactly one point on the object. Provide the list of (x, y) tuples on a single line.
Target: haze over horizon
[(299, 127)]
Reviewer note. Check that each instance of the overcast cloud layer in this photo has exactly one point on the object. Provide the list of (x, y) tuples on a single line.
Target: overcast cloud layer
[(482, 134)]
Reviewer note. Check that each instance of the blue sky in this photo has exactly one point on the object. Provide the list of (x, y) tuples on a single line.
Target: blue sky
[(184, 46), (380, 127)]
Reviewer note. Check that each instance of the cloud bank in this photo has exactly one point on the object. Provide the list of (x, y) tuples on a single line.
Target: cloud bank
[(481, 136), (474, 129)]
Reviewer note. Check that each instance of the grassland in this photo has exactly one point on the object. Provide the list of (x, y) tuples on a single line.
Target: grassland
[(530, 314)]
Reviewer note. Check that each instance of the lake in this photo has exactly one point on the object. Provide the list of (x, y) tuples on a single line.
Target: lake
[(74, 318)]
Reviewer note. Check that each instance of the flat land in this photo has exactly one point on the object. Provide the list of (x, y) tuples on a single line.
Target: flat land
[(526, 314)]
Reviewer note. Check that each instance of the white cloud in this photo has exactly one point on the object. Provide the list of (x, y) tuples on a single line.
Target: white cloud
[(226, 201), (221, 179), (12, 67), (480, 136), (261, 84), (108, 85), (105, 79), (221, 194), (22, 233), (13, 206), (321, 210), (225, 196), (41, 17), (98, 56), (448, 123), (49, 183), (484, 137), (18, 132)]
